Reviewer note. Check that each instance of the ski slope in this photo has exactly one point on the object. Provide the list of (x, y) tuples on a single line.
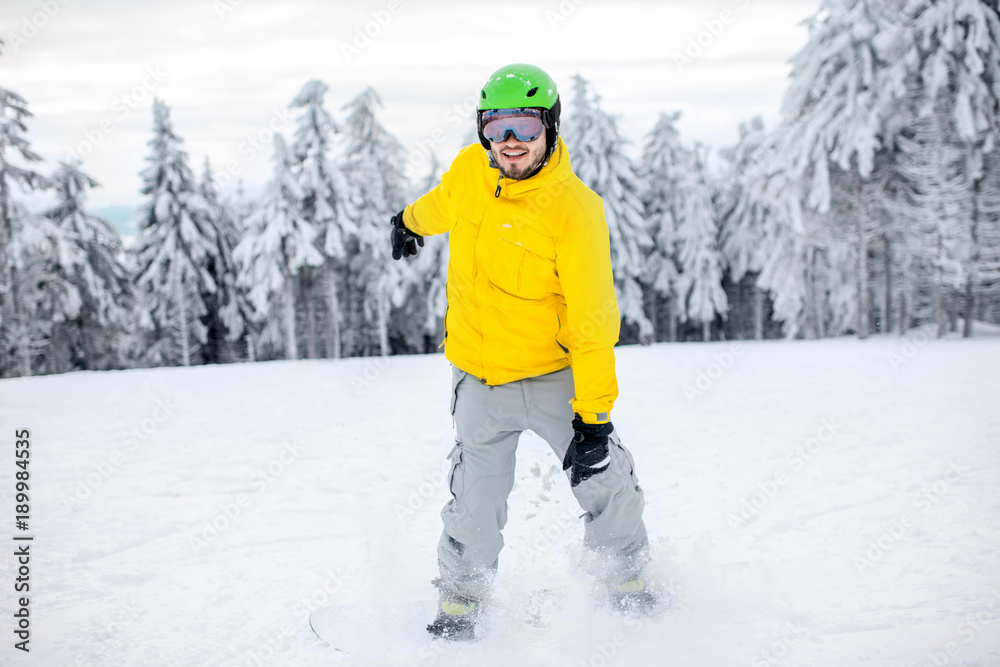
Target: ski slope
[(810, 503)]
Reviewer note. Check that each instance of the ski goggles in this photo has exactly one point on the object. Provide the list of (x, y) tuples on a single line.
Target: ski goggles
[(525, 124)]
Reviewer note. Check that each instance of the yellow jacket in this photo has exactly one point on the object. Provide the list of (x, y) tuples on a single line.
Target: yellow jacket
[(530, 288)]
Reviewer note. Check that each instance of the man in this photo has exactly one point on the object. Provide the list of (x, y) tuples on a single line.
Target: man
[(530, 329)]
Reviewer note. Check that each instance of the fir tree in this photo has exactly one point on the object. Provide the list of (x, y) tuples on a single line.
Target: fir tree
[(279, 242), (417, 321), (22, 245), (373, 160), (599, 160), (181, 257), (91, 314), (228, 315), (663, 161), (955, 45), (239, 209), (699, 284), (744, 215), (836, 108), (325, 207), (684, 264)]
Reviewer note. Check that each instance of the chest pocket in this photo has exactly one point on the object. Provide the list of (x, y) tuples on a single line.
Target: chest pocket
[(523, 261), (463, 238)]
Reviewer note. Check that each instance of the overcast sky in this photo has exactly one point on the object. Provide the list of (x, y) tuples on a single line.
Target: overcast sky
[(227, 69)]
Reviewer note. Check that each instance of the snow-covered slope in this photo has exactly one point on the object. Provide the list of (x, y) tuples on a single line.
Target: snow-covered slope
[(811, 503)]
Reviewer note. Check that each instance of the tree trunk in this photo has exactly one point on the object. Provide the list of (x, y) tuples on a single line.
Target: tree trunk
[(288, 310), (941, 311), (24, 348), (21, 323), (58, 350), (383, 321), (862, 283), (706, 331), (653, 303), (310, 313), (887, 298), (973, 262), (810, 316), (737, 311), (89, 330), (902, 313), (6, 265), (953, 313), (817, 303), (905, 288), (182, 314), (940, 304), (758, 313), (671, 321), (333, 323), (969, 312)]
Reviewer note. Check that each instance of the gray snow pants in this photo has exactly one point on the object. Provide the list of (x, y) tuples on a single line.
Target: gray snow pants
[(488, 423)]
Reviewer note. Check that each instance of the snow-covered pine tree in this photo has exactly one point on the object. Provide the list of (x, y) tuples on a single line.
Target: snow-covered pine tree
[(860, 231), (663, 161), (277, 244), (180, 255), (372, 160), (239, 209), (699, 283), (933, 198), (417, 321), (436, 276), (226, 326), (598, 158), (226, 216), (835, 111), (684, 265), (955, 46), (744, 215), (840, 94), (21, 243), (91, 314), (326, 208), (988, 241)]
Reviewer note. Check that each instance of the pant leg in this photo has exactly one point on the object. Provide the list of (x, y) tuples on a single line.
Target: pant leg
[(488, 422), (616, 545)]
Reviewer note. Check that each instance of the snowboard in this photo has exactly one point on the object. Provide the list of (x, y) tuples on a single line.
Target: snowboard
[(369, 631)]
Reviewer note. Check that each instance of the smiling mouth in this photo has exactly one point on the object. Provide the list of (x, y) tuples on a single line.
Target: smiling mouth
[(514, 155)]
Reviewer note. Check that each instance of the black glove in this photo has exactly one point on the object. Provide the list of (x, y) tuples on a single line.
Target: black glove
[(404, 242), (588, 451)]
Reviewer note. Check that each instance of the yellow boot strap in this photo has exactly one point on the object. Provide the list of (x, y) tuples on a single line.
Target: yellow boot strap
[(631, 586), (457, 608)]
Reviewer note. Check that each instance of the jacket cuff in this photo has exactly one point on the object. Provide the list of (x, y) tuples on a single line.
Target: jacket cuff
[(408, 217), (595, 417)]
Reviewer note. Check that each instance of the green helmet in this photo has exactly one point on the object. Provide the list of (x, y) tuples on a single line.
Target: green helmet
[(517, 86)]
